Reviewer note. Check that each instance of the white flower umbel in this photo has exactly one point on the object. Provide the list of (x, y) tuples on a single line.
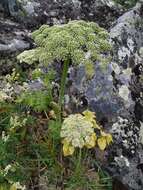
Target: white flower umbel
[(77, 130)]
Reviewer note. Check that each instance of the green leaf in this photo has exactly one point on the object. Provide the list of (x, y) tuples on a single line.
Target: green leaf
[(37, 100)]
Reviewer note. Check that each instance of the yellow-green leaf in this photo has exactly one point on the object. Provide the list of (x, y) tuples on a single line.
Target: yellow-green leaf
[(109, 139), (92, 141), (90, 116), (103, 134), (67, 149), (102, 143), (95, 125)]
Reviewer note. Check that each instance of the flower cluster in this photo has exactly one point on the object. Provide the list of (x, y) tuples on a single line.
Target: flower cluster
[(14, 76), (17, 121), (80, 41), (10, 168), (78, 131)]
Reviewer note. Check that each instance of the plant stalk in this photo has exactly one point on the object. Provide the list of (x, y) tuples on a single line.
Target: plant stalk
[(62, 88), (78, 165)]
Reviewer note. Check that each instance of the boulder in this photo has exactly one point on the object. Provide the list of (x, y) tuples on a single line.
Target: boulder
[(13, 39), (127, 151), (36, 12), (10, 7), (115, 94)]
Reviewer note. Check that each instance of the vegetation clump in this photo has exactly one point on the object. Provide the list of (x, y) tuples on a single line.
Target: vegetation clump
[(39, 138)]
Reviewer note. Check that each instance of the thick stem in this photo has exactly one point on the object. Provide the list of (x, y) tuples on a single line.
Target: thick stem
[(62, 87)]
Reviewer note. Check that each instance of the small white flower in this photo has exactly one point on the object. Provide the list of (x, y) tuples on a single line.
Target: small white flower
[(16, 121), (4, 136)]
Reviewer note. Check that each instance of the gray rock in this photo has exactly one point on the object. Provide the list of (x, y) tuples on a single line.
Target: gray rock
[(100, 93), (14, 45), (126, 37), (29, 7), (10, 7), (37, 12), (115, 94), (12, 37)]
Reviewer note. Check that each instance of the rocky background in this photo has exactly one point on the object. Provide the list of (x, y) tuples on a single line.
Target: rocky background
[(116, 96)]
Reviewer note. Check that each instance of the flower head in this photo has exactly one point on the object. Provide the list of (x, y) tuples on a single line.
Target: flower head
[(77, 131)]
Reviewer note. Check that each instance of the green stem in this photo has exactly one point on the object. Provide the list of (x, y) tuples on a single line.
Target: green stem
[(78, 165), (62, 87)]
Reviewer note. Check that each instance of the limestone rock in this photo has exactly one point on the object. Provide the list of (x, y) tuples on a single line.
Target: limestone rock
[(37, 12)]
